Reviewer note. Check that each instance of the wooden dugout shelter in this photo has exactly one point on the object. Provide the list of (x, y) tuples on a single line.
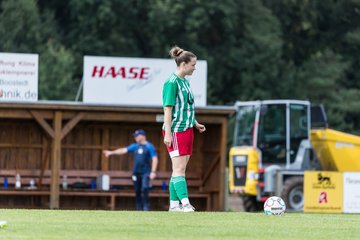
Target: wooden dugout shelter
[(66, 136)]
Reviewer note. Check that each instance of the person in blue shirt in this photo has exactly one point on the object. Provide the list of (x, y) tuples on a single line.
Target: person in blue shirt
[(145, 165)]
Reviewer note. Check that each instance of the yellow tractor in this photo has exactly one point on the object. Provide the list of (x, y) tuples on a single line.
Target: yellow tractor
[(275, 141)]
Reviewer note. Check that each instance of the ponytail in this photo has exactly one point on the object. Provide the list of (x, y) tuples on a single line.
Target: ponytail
[(180, 55)]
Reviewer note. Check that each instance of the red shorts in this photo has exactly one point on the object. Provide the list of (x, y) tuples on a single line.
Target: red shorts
[(182, 143)]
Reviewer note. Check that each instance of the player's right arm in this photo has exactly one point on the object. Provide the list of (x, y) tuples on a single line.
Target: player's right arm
[(167, 125), (169, 100), (119, 151)]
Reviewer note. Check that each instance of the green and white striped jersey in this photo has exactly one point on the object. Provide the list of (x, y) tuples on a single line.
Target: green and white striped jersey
[(177, 93)]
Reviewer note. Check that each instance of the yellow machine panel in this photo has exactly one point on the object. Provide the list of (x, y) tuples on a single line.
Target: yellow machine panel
[(243, 165), (337, 151)]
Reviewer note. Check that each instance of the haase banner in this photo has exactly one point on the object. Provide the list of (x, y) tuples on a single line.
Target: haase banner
[(135, 81), (352, 192), (18, 77), (323, 192)]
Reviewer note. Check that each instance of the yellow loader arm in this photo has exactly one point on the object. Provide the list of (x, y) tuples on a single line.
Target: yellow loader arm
[(337, 151)]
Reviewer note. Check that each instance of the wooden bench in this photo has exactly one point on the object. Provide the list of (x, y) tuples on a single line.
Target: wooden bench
[(120, 181)]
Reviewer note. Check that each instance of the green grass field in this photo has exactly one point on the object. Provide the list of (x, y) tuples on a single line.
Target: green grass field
[(48, 224)]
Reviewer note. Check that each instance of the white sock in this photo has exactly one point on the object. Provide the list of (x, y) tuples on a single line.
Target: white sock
[(185, 201), (174, 204)]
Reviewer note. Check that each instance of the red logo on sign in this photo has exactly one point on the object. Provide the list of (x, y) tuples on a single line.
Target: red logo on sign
[(323, 197), (140, 73)]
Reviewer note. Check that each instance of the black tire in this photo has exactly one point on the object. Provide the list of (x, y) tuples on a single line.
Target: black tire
[(293, 193), (250, 204)]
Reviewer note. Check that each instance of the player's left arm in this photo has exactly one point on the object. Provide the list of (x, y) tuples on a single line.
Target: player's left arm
[(154, 161), (200, 127)]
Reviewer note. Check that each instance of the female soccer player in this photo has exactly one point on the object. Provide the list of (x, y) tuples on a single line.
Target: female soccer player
[(179, 120)]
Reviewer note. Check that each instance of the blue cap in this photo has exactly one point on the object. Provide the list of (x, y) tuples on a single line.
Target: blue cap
[(138, 132)]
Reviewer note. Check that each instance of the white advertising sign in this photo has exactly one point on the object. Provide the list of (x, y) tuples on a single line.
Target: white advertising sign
[(135, 81), (352, 192), (18, 77)]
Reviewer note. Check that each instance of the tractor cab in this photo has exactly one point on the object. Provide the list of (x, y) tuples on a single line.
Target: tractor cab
[(267, 135)]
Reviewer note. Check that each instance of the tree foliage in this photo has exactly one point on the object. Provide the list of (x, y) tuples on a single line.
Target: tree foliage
[(24, 28), (255, 49)]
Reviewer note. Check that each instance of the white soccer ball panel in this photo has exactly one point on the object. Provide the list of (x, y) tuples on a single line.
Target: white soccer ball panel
[(274, 206)]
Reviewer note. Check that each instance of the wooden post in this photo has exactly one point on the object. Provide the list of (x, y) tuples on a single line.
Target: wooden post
[(222, 165), (55, 162)]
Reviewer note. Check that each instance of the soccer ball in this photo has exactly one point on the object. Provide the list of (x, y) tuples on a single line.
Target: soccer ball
[(274, 206)]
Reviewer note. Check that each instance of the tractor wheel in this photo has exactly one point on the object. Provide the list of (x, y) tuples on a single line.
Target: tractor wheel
[(293, 193), (250, 204)]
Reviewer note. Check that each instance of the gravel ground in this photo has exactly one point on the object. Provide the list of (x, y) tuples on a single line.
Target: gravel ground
[(235, 203)]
